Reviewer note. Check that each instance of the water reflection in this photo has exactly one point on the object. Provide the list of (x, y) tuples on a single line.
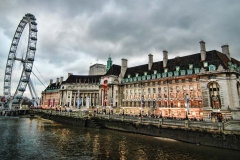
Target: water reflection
[(34, 138)]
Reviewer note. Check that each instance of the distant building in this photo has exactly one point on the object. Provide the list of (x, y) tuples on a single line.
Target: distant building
[(97, 69)]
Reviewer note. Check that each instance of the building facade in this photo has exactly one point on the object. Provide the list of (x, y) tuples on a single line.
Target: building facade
[(199, 86)]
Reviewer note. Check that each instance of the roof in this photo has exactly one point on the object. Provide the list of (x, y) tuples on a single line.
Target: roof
[(83, 79), (212, 57), (114, 70)]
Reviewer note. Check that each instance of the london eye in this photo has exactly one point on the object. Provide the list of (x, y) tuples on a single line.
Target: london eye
[(20, 62)]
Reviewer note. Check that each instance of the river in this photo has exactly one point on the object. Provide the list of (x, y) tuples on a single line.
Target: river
[(36, 138)]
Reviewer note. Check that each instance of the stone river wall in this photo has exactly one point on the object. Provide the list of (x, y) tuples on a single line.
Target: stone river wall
[(215, 138)]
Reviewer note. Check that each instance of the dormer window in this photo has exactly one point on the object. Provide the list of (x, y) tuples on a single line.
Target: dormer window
[(155, 72), (196, 70), (169, 74), (165, 70), (205, 64), (189, 71), (145, 73), (183, 72), (177, 68), (136, 74), (190, 66), (212, 67), (129, 76), (238, 68)]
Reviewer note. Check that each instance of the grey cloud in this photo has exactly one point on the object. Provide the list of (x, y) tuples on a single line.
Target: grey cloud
[(73, 34)]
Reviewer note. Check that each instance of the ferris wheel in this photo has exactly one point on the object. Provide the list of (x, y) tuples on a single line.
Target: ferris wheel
[(20, 61)]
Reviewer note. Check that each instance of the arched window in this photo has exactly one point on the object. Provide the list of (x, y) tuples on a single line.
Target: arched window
[(214, 95)]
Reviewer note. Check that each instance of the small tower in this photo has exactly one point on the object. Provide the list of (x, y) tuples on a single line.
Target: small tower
[(109, 63)]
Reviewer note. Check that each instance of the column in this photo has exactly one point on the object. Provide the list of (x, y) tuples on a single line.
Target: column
[(90, 100)]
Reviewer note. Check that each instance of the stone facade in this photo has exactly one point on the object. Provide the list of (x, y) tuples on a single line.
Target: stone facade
[(202, 86)]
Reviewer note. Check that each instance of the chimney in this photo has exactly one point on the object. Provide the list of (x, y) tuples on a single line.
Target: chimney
[(50, 82), (57, 81), (150, 61), (123, 69), (61, 79), (203, 50), (225, 50), (165, 58), (69, 74)]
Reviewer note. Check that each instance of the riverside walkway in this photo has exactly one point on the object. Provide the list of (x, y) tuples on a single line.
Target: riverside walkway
[(158, 121)]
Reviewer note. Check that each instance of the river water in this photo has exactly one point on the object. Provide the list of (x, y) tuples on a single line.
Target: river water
[(36, 138)]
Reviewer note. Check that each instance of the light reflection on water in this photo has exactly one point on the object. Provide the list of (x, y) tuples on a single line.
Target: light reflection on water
[(24, 138)]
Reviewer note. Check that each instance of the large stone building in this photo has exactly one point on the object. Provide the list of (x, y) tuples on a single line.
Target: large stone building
[(199, 86)]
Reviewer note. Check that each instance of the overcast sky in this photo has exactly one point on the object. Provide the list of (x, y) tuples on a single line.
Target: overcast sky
[(73, 34)]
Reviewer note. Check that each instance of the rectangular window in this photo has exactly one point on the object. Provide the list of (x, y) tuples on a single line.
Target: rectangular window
[(176, 73), (183, 72), (165, 70), (189, 71), (149, 90), (154, 90), (155, 72), (190, 66), (159, 75), (159, 90), (164, 75), (169, 74), (177, 68), (205, 64), (196, 70)]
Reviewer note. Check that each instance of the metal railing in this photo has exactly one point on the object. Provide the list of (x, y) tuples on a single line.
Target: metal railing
[(148, 120)]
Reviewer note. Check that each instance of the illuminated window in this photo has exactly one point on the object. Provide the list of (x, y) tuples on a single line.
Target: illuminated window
[(129, 76), (177, 68), (205, 64), (145, 73), (155, 72), (165, 70), (136, 74), (190, 66)]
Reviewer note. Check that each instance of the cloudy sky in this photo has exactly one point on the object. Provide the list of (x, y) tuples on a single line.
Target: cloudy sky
[(73, 34)]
